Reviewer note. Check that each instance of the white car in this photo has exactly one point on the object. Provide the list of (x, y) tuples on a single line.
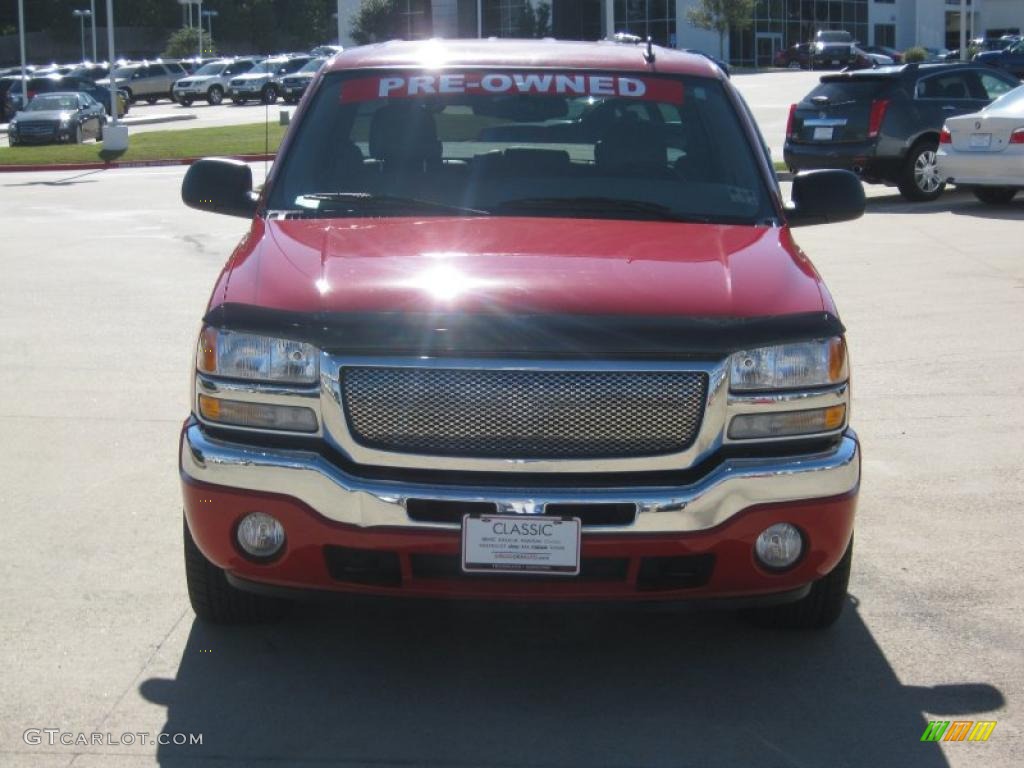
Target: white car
[(210, 81), (874, 59), (985, 150)]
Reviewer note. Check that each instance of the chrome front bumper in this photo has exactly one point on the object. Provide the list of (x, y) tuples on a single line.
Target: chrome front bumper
[(729, 488)]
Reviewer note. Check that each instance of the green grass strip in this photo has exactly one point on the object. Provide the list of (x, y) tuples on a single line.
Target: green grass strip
[(249, 139)]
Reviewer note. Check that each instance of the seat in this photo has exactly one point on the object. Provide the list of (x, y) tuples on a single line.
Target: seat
[(954, 90), (632, 147), (403, 137)]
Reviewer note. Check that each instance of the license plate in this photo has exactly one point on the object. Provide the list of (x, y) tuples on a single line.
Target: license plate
[(521, 544), (981, 140), (823, 133)]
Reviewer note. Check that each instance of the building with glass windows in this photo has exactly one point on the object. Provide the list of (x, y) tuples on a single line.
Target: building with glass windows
[(776, 24)]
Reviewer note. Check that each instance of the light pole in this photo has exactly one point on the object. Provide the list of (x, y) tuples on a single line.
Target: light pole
[(210, 15), (340, 22), (92, 13), (21, 40), (199, 29), (82, 16), (115, 137)]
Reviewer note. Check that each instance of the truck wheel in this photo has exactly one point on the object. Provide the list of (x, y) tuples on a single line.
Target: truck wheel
[(818, 610), (995, 195), (268, 95), (216, 601), (185, 101), (152, 99), (215, 95), (920, 180), (237, 100)]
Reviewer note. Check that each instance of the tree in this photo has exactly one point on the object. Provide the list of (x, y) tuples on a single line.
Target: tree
[(722, 16), (375, 22), (184, 43)]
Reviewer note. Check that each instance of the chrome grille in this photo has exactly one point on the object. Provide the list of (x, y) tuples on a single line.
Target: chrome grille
[(523, 414)]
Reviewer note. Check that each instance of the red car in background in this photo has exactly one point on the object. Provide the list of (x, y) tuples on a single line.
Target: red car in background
[(521, 320)]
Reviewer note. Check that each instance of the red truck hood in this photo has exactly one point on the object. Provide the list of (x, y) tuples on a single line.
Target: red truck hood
[(521, 265)]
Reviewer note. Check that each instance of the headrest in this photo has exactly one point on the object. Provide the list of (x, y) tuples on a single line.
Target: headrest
[(631, 146), (404, 132)]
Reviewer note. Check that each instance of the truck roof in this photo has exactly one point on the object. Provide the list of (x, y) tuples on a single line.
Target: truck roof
[(526, 54)]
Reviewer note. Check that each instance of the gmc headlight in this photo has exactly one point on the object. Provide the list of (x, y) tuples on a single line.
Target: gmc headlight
[(262, 358), (803, 365)]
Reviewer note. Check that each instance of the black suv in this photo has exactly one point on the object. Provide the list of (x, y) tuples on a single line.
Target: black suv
[(884, 123)]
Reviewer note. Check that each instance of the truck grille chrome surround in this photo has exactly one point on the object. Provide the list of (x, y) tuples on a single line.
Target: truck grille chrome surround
[(523, 414)]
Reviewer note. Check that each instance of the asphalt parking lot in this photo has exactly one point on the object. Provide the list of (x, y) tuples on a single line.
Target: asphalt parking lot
[(105, 277)]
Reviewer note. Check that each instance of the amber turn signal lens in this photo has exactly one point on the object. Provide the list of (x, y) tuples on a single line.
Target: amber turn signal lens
[(209, 407), (837, 359), (834, 416), (206, 357)]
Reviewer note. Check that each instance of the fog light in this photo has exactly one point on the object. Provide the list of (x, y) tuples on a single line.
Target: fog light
[(779, 546), (260, 535)]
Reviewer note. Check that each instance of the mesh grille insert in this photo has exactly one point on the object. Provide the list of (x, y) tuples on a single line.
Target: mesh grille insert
[(523, 414)]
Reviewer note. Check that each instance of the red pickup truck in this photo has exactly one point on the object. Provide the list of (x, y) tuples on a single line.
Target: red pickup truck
[(521, 320)]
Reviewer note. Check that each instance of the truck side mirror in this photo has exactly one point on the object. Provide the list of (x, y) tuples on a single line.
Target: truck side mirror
[(825, 197), (219, 185)]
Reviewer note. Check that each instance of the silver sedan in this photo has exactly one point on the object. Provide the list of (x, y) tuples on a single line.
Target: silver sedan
[(985, 150)]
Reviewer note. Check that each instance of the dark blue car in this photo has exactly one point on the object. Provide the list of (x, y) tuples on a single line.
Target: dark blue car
[(1011, 59)]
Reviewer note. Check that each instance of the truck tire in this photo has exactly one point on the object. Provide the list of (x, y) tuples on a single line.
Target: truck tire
[(818, 610), (152, 99), (215, 95), (216, 601), (995, 195), (237, 100), (185, 101), (919, 181), (268, 95)]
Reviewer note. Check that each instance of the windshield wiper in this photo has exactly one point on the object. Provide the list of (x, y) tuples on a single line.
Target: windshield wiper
[(361, 202), (600, 205)]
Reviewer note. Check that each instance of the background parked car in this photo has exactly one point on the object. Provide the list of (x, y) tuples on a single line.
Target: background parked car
[(149, 80), (326, 51), (291, 87), (863, 58), (94, 72), (5, 85), (62, 117), (892, 53), (1010, 58), (57, 83), (984, 151), (258, 82), (795, 57), (210, 81), (884, 123), (832, 48)]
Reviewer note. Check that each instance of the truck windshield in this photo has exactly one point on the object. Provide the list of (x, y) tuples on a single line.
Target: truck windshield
[(521, 143)]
